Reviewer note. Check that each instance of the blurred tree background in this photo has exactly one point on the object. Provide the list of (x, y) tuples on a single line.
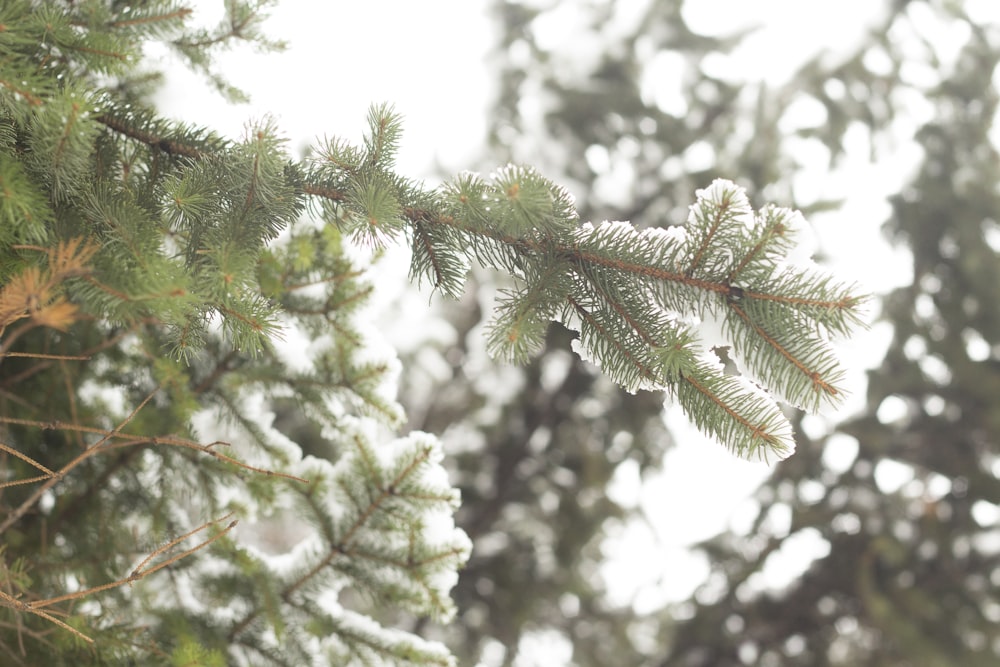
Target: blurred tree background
[(906, 572)]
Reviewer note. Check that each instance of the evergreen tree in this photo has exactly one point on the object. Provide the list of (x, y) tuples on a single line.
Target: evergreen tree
[(149, 273), (910, 577)]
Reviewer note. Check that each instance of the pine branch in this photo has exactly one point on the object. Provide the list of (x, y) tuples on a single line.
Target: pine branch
[(30, 96), (726, 262), (147, 134), (380, 532), (155, 19), (141, 571)]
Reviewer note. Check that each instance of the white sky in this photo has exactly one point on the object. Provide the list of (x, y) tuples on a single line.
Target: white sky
[(426, 58), (429, 59)]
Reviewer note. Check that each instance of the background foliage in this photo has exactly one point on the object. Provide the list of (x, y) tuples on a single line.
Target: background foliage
[(905, 573)]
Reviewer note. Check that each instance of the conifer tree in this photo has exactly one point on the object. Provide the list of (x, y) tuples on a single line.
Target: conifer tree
[(150, 272)]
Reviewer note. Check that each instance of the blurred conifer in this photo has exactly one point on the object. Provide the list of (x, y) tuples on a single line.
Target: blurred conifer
[(911, 573)]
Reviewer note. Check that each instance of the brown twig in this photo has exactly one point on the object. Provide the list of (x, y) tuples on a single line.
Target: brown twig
[(30, 501), (141, 571)]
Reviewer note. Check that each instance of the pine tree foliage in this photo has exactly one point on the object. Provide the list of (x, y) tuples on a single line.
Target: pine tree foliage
[(627, 291), (144, 296), (150, 270)]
